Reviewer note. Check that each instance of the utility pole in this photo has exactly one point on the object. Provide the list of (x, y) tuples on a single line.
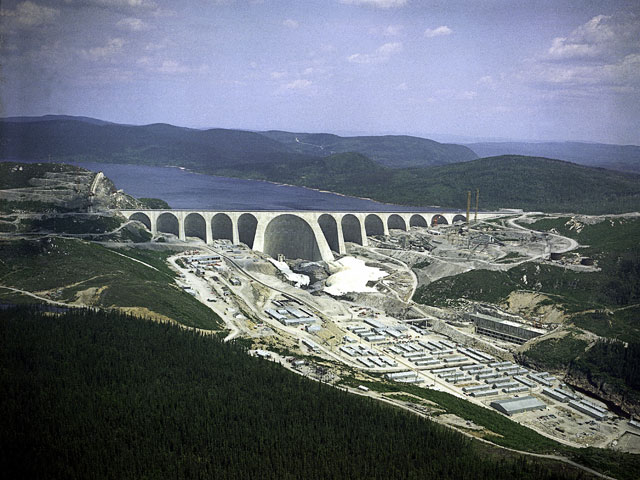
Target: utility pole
[(475, 220), (468, 206)]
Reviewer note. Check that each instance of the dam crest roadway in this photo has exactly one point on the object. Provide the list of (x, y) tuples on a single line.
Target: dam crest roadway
[(309, 235)]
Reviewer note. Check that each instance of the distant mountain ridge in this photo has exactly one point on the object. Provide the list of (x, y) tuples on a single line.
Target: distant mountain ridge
[(51, 118), (624, 158), (528, 182), (396, 151), (68, 138)]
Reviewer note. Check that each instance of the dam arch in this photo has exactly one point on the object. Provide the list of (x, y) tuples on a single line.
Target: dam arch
[(373, 225), (329, 227), (351, 229), (459, 218), (396, 222), (247, 226), (168, 223), (417, 221), (280, 232), (142, 218), (439, 220), (221, 227), (195, 226)]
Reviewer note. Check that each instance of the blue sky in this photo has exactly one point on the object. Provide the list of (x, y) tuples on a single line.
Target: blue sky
[(530, 70)]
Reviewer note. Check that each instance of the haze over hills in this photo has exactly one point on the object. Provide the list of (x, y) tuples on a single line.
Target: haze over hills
[(156, 144), (439, 174), (394, 151), (69, 138), (74, 138), (624, 158)]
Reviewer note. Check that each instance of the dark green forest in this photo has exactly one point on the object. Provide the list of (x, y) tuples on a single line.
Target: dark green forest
[(530, 183), (89, 394), (612, 362)]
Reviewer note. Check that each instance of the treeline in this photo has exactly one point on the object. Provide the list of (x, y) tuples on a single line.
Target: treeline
[(611, 361), (530, 183), (89, 394)]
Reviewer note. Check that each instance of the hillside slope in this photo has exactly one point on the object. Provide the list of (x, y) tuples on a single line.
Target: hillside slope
[(65, 138), (530, 183), (624, 158), (156, 144), (102, 395), (395, 151)]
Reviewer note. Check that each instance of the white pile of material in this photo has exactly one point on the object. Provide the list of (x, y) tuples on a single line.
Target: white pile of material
[(297, 279), (351, 275)]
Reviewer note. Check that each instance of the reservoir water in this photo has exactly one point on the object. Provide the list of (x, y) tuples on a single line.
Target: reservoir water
[(184, 189)]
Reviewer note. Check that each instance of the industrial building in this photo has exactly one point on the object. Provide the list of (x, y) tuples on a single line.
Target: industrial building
[(503, 329), (511, 406), (588, 409)]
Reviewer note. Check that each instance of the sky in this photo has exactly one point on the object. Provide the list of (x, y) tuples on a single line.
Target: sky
[(478, 69)]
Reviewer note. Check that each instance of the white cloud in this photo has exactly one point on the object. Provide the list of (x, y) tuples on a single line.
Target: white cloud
[(487, 81), (451, 94), (376, 3), (440, 31), (626, 72), (28, 14), (299, 84), (392, 30), (291, 23), (308, 71), (277, 75), (113, 46), (133, 24), (601, 55), (403, 87), (172, 67), (600, 37), (115, 3), (169, 66), (381, 55)]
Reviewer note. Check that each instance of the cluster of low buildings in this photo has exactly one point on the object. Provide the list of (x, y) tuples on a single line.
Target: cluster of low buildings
[(477, 373), (290, 312)]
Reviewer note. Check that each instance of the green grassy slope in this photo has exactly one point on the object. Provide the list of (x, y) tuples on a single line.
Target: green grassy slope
[(95, 395), (17, 175), (613, 243), (68, 267)]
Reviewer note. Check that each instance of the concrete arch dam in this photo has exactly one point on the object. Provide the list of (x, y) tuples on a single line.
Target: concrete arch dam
[(295, 234)]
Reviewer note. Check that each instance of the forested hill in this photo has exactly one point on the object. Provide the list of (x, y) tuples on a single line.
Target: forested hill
[(512, 181), (395, 151), (68, 140), (90, 394), (65, 139), (624, 158)]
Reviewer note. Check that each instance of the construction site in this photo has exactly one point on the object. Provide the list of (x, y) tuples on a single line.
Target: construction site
[(357, 315)]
